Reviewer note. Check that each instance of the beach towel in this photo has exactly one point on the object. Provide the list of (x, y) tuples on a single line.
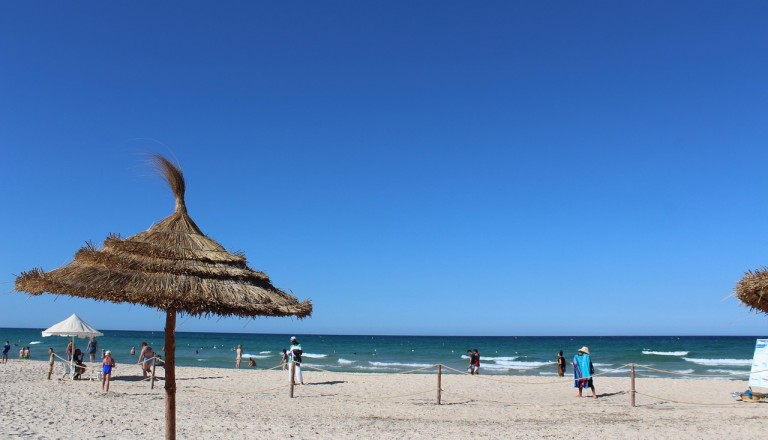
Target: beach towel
[(582, 370)]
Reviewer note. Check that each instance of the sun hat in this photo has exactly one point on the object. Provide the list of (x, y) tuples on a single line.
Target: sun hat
[(293, 338), (107, 352), (584, 349)]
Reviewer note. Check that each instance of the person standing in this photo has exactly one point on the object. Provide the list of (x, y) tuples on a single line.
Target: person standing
[(69, 351), (106, 370), (284, 360), (295, 352), (145, 358), (583, 371), (238, 355), (471, 365), (477, 361), (6, 349), (93, 345), (560, 364)]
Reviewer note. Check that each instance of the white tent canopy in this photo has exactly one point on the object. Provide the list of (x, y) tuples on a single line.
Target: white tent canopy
[(74, 327)]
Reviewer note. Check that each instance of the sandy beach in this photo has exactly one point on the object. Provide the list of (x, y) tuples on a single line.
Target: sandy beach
[(248, 403)]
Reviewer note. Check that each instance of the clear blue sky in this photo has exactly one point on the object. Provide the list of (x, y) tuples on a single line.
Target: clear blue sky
[(435, 167)]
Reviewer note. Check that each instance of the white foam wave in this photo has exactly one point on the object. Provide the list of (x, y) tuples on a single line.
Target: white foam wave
[(265, 352), (255, 356), (35, 343), (345, 361), (724, 371), (499, 358), (398, 364), (515, 365), (666, 353), (363, 367), (719, 362), (313, 355)]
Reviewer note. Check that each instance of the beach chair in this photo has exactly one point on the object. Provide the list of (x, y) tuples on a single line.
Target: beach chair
[(95, 368), (68, 371)]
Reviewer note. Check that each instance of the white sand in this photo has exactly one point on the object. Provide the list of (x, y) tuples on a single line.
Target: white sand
[(252, 404)]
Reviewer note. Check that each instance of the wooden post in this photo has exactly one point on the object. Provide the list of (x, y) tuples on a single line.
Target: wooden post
[(152, 381), (292, 372), (439, 382), (632, 387), (170, 375), (50, 365)]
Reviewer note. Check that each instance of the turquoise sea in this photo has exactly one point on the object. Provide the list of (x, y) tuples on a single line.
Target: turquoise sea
[(500, 355)]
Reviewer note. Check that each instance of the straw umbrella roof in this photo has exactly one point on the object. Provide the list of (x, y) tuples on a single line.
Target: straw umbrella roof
[(174, 267), (752, 290), (171, 266)]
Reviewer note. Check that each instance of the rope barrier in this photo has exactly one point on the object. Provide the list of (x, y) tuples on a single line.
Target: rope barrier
[(646, 367), (684, 402), (450, 392)]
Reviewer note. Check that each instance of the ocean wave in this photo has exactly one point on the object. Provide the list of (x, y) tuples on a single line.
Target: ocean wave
[(265, 352), (398, 364), (516, 365), (314, 356), (724, 371), (35, 343), (255, 356), (718, 362), (345, 361), (687, 371), (499, 358), (367, 368), (666, 353)]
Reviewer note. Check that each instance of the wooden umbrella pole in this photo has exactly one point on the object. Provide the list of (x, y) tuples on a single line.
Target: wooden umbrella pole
[(439, 382), (170, 375)]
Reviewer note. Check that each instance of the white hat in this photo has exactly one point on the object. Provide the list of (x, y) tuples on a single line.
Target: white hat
[(584, 349), (293, 338)]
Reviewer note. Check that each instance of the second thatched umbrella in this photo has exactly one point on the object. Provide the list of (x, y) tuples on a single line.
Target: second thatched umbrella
[(752, 290), (173, 267)]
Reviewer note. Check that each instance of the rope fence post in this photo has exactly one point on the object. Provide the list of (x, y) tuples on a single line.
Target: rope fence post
[(50, 365), (292, 368), (632, 387), (152, 381), (439, 382)]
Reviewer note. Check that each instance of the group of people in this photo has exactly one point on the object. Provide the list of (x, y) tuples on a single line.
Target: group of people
[(239, 357), (24, 352), (474, 362)]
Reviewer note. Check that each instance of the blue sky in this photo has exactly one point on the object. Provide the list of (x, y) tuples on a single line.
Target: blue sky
[(440, 168)]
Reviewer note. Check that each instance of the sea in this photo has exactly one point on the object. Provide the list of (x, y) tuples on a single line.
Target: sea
[(706, 357)]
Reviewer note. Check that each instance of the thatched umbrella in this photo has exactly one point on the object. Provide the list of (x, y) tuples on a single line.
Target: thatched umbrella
[(752, 290), (173, 267)]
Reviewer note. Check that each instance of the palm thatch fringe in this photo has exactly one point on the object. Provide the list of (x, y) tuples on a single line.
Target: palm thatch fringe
[(752, 290)]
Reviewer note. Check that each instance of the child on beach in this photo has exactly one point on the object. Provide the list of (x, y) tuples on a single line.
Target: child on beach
[(106, 369), (238, 356)]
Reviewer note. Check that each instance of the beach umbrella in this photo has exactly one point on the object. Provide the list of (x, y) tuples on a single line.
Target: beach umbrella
[(173, 267), (752, 290), (72, 327)]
